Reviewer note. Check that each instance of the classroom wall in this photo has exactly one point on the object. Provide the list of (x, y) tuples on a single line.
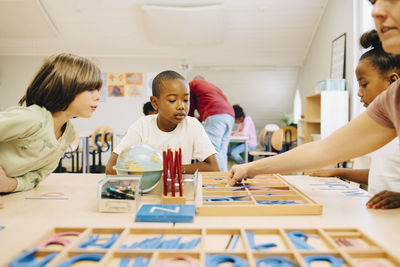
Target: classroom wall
[(265, 95), (337, 19)]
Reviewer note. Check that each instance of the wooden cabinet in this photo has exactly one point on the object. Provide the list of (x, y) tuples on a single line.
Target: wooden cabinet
[(300, 132), (323, 114)]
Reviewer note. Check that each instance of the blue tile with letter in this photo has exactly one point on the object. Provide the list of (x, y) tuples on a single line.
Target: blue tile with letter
[(166, 213)]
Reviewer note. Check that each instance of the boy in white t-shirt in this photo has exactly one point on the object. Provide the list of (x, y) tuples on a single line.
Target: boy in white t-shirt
[(171, 127)]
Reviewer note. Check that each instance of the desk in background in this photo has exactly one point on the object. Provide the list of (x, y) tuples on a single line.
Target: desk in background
[(241, 139), (27, 220)]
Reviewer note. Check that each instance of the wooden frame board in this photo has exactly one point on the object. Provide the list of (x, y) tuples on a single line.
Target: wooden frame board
[(256, 200), (350, 245)]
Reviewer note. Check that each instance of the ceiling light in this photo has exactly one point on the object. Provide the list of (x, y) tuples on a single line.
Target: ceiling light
[(183, 3)]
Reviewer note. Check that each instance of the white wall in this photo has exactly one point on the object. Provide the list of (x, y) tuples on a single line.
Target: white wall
[(336, 20), (15, 75), (264, 95)]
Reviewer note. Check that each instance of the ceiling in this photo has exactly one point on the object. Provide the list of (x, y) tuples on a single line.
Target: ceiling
[(220, 33)]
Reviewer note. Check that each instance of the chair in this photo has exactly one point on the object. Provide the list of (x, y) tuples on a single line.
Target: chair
[(271, 141), (290, 136), (277, 140), (271, 127), (70, 154), (101, 141), (266, 134)]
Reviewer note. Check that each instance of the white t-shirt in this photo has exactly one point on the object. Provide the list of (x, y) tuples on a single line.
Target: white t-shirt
[(384, 172), (188, 135)]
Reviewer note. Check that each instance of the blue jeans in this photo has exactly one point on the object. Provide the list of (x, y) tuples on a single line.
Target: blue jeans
[(235, 151), (218, 128)]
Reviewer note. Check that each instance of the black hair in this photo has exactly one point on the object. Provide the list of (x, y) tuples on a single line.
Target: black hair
[(239, 113), (161, 77), (147, 108), (384, 62), (60, 79)]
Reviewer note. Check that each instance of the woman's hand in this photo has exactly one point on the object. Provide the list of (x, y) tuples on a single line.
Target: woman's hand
[(384, 200), (238, 173)]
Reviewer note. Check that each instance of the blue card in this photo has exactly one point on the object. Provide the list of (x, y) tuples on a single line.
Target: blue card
[(166, 213)]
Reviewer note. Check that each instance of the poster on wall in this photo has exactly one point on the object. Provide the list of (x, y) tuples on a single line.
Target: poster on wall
[(133, 84), (116, 84), (149, 81)]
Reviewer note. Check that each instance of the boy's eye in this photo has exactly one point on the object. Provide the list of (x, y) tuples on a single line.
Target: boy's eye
[(171, 101), (186, 100)]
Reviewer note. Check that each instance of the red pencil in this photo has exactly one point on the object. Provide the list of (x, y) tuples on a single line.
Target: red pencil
[(165, 172), (172, 171), (180, 172), (176, 166)]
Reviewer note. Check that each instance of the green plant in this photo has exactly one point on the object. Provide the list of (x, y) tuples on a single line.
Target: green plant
[(287, 118)]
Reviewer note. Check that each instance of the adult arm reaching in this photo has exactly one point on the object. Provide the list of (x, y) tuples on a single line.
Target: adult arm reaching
[(360, 136)]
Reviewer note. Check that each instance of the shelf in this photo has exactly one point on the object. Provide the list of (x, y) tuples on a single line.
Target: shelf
[(324, 112), (312, 121), (317, 95)]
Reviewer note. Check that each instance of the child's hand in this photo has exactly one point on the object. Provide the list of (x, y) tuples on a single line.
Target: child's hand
[(2, 174), (7, 184), (323, 173), (384, 200), (237, 173)]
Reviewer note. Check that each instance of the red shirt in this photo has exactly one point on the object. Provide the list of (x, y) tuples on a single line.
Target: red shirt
[(208, 99)]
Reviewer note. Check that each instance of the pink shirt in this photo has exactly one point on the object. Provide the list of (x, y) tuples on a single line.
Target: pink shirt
[(247, 128), (385, 109)]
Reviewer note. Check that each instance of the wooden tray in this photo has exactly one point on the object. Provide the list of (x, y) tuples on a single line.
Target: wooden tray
[(349, 244)]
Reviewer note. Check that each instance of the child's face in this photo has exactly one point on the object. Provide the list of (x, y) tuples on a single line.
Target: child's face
[(172, 104), (386, 14), (371, 82), (239, 120), (84, 104)]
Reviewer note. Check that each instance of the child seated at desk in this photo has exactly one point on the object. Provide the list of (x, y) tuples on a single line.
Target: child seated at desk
[(34, 137), (246, 128), (171, 127), (376, 70)]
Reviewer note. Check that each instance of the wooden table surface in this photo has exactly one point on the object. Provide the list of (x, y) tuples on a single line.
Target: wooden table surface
[(25, 219)]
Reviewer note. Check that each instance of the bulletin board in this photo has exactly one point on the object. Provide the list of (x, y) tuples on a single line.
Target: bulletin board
[(338, 58)]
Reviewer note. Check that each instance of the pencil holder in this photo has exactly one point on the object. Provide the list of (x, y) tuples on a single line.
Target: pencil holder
[(169, 199)]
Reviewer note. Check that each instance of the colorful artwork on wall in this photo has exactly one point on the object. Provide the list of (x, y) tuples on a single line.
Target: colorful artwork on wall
[(121, 84)]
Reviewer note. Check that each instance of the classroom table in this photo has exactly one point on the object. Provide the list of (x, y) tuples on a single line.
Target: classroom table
[(241, 139), (26, 218)]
